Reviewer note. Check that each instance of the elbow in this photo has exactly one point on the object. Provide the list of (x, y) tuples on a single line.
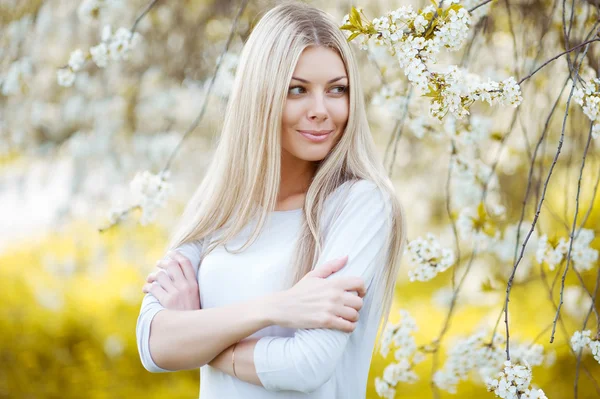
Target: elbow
[(146, 344), (309, 377), (296, 378), (305, 369), (314, 381), (152, 366)]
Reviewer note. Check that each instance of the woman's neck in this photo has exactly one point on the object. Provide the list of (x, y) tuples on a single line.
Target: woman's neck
[(296, 176)]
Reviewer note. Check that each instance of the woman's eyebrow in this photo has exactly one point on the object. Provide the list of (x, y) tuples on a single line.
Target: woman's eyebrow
[(331, 81)]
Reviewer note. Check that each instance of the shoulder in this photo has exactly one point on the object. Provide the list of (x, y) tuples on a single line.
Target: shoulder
[(358, 199), (358, 193)]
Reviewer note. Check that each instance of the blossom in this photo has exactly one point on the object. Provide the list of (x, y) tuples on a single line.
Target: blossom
[(429, 258), (595, 347), (482, 354), (112, 47), (513, 383), (589, 99), (65, 77), (384, 389), (480, 223), (16, 78), (91, 10), (551, 252), (100, 55), (399, 372), (580, 339), (400, 336), (77, 60), (121, 43), (406, 34), (148, 192), (582, 255)]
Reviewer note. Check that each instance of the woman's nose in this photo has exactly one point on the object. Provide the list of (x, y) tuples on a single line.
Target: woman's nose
[(317, 109)]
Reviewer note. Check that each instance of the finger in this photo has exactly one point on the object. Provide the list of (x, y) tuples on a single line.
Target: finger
[(348, 313), (176, 274), (171, 266), (162, 263), (165, 281), (156, 290), (352, 301), (352, 283), (152, 277), (186, 266), (343, 325), (330, 267)]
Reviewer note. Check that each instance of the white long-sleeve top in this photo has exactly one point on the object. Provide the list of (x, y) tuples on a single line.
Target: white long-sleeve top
[(294, 363)]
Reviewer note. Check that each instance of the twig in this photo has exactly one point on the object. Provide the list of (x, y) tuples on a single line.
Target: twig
[(587, 317), (438, 341), (399, 132), (564, 330), (139, 18), (478, 5), (555, 57), (449, 212), (196, 121), (562, 288)]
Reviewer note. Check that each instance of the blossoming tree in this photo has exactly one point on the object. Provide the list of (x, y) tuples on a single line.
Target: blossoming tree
[(468, 96)]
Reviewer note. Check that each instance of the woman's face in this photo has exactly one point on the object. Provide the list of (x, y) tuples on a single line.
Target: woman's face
[(316, 109)]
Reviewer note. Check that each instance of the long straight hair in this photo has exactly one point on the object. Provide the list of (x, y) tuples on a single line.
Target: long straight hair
[(242, 181)]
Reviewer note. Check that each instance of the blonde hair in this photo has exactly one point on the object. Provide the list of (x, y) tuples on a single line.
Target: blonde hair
[(242, 181)]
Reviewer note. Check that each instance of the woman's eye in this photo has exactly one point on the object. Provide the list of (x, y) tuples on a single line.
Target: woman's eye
[(296, 90), (339, 89)]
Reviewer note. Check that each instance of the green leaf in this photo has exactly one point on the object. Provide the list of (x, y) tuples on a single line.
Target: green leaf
[(353, 36), (355, 17), (347, 27), (434, 3), (455, 7), (433, 92)]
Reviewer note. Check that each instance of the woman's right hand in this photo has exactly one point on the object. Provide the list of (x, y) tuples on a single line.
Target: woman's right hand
[(315, 302)]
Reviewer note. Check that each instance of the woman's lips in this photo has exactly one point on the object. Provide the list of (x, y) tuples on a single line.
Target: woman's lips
[(315, 136)]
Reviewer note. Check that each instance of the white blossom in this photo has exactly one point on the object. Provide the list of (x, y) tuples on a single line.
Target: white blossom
[(76, 60), (482, 354), (428, 258), (401, 371), (91, 10), (513, 383), (595, 347), (399, 336), (580, 339), (149, 192), (121, 43), (17, 77), (589, 99), (582, 255), (100, 55), (65, 77), (384, 389)]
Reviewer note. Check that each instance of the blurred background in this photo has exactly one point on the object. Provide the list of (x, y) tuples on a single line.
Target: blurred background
[(86, 203)]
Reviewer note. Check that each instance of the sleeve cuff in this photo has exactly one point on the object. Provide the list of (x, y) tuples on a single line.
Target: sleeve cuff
[(261, 362), (144, 341)]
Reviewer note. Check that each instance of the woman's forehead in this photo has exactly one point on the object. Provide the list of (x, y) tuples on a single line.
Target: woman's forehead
[(318, 63)]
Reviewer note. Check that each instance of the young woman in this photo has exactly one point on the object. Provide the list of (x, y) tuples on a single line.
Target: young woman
[(285, 259)]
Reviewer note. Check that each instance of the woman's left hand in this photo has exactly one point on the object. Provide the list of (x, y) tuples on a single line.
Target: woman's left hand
[(174, 284)]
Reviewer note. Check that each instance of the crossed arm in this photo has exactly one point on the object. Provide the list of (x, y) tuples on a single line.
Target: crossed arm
[(307, 360)]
